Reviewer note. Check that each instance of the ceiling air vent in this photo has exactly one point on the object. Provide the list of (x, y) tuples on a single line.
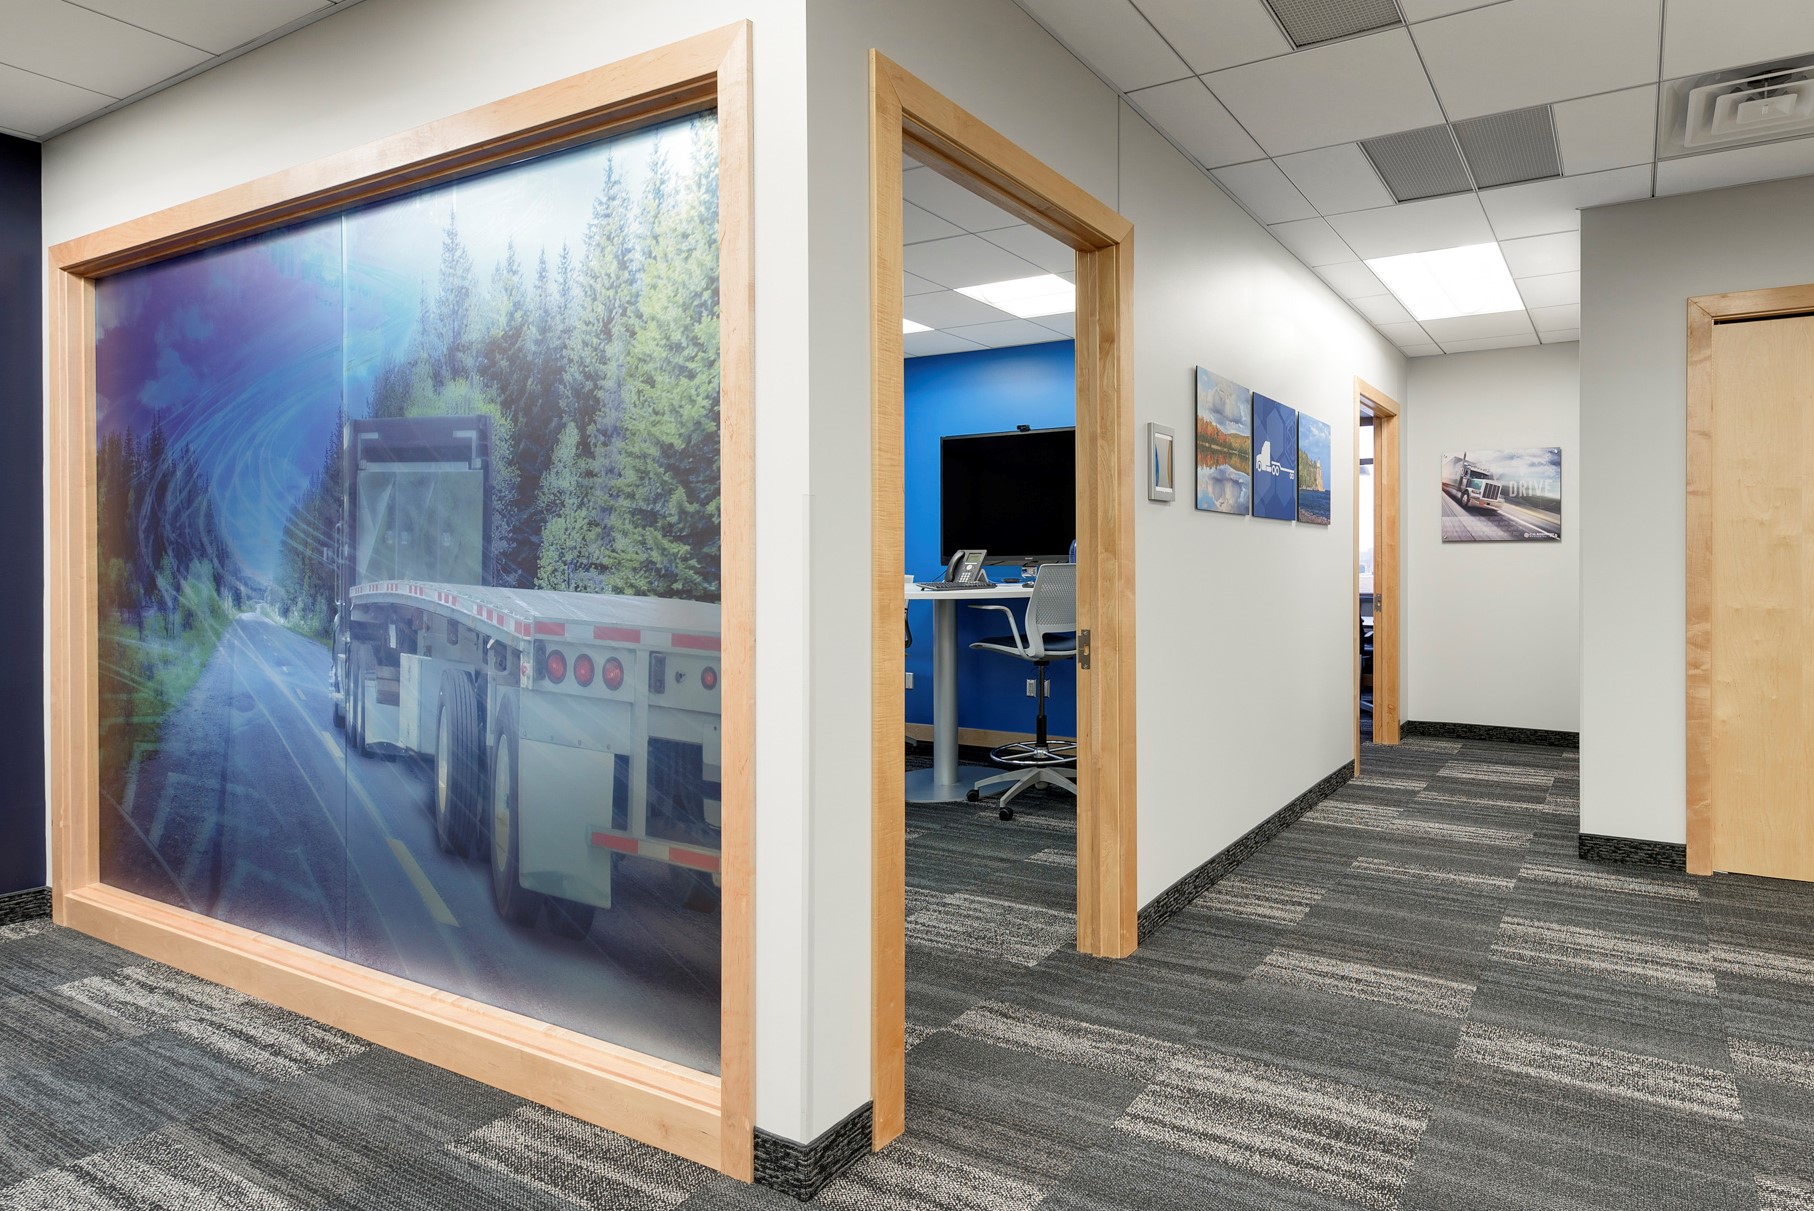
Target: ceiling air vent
[(1504, 149), (1308, 22), (1746, 105), (1418, 164)]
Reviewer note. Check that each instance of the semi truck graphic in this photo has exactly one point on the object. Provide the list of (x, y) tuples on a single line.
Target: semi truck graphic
[(1470, 484), (567, 731)]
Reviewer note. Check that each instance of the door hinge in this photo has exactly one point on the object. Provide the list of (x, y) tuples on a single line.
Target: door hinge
[(1083, 649)]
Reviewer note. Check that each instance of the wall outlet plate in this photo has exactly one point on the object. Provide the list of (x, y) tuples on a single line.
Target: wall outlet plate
[(910, 681), (1032, 688)]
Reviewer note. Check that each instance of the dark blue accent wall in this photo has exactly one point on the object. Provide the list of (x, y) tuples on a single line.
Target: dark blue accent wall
[(985, 392), (22, 506)]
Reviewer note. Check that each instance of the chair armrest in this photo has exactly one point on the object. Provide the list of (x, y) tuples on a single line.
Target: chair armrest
[(1013, 627)]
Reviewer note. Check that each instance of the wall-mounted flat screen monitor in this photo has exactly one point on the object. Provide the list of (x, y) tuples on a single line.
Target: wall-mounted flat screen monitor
[(1012, 494)]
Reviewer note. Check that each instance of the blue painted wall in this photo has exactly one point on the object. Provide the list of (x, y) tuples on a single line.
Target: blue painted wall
[(984, 392)]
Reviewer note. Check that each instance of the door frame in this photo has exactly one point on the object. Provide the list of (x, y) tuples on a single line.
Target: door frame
[(1386, 411), (704, 1117), (905, 113), (1705, 311)]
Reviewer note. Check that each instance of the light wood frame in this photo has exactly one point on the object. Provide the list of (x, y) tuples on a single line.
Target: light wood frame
[(907, 113), (702, 1117), (1386, 488), (1704, 312)]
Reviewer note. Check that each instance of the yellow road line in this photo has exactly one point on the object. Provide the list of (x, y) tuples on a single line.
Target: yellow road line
[(437, 907)]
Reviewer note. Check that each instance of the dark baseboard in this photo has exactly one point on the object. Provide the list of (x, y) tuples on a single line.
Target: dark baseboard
[(27, 905), (802, 1170), (1173, 899), (1668, 855), (1489, 732)]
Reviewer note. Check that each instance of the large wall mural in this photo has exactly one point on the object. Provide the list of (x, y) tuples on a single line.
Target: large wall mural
[(409, 571)]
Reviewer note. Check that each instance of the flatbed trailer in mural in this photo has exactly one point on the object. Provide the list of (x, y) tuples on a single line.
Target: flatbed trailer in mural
[(1471, 485), (568, 731)]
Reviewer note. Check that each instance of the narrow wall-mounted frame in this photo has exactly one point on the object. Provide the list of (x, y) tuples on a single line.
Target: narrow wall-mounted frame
[(699, 1116), (1161, 459), (1704, 312), (1386, 489), (907, 114)]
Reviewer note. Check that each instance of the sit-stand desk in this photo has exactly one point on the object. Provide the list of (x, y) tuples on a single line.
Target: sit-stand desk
[(947, 781)]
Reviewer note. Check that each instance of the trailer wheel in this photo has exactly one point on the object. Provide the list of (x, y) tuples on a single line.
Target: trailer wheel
[(459, 766), (515, 903)]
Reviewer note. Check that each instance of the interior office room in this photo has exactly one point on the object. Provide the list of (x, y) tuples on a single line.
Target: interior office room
[(503, 499)]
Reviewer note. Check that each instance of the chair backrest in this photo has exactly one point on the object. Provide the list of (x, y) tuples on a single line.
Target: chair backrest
[(1053, 606)]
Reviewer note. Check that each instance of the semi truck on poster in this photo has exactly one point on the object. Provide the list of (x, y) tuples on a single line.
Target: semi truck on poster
[(1470, 484), (567, 732)]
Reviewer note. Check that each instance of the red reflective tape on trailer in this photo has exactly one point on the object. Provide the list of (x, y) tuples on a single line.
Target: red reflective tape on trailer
[(619, 634), (693, 858), (623, 845), (702, 643), (522, 628), (557, 629)]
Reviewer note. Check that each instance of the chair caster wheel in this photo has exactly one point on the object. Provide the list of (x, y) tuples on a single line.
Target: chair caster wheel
[(974, 795), (1007, 813)]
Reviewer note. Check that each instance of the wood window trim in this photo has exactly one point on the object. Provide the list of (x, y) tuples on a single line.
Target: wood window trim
[(705, 1118), (1704, 312), (906, 113)]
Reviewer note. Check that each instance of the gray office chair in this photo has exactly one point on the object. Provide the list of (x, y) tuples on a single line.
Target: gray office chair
[(1051, 634)]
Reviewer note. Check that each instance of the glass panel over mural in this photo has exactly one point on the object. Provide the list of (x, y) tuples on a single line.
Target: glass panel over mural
[(409, 572)]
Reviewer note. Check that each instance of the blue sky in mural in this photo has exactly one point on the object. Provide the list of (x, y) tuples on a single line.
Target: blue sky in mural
[(1275, 459), (248, 352)]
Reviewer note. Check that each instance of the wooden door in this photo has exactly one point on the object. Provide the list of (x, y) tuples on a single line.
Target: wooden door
[(1761, 594)]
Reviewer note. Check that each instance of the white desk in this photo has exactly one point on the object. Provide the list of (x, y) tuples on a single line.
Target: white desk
[(947, 781)]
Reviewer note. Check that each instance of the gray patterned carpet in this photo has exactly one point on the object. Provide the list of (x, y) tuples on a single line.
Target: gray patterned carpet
[(1417, 997)]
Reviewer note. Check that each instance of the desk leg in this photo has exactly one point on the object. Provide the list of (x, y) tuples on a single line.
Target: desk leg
[(946, 781)]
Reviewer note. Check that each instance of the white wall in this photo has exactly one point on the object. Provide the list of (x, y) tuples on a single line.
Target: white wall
[(1640, 263), (1491, 630), (389, 65)]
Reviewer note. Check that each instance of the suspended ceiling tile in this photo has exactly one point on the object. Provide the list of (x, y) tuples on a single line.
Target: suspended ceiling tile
[(1542, 207), (1531, 52), (1352, 280), (966, 260), (953, 203), (1211, 37), (1708, 35), (1336, 179), (88, 50), (1736, 166), (1113, 38), (1426, 10), (1557, 319), (924, 344), (949, 309), (37, 105), (1414, 227), (1534, 256), (1313, 242), (1187, 112), (1489, 342), (1032, 244), (1612, 130), (1409, 333), (1551, 290), (1560, 338), (912, 285), (1064, 325), (1480, 327), (1383, 309), (215, 26), (1421, 350), (918, 226), (1340, 93), (1266, 191), (1004, 333)]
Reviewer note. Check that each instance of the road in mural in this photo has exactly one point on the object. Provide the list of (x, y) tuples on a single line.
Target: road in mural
[(409, 571)]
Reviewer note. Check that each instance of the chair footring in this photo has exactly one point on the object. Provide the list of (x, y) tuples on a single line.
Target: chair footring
[(1022, 754)]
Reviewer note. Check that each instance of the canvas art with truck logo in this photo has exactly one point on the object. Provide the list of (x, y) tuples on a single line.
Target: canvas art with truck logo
[(409, 581)]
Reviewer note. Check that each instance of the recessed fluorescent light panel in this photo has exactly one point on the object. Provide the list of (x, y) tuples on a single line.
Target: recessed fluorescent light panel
[(908, 326), (1451, 281), (1046, 294)]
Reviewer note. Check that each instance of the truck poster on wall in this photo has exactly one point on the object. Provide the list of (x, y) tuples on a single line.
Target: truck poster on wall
[(1502, 495), (409, 582)]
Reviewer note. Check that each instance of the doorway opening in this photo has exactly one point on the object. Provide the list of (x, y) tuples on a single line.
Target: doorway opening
[(1376, 564), (909, 118)]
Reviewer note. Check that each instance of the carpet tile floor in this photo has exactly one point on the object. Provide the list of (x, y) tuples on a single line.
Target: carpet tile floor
[(1416, 998)]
